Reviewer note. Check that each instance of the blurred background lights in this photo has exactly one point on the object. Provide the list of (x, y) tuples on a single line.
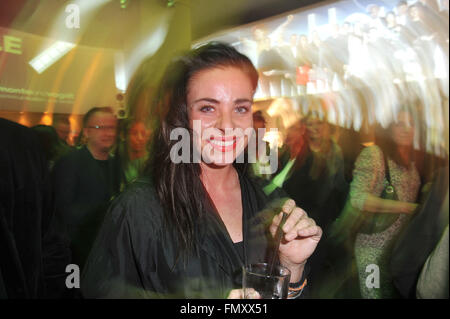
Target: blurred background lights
[(49, 56), (124, 4)]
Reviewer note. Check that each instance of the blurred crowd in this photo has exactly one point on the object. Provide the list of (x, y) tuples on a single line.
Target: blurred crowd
[(330, 172), (409, 42), (377, 201), (381, 197)]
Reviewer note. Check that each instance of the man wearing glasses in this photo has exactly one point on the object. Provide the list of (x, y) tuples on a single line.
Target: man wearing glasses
[(85, 181)]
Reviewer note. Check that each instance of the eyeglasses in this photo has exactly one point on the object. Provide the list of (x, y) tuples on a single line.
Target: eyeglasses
[(103, 128)]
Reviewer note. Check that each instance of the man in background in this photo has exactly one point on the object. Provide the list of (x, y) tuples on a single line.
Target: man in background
[(62, 127), (86, 180)]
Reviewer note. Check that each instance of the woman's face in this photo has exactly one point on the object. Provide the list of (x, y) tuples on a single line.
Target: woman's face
[(403, 130), (138, 136), (316, 128), (220, 110)]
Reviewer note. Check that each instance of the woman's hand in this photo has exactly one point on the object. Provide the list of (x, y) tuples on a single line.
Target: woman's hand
[(407, 208), (239, 294), (376, 204), (300, 237)]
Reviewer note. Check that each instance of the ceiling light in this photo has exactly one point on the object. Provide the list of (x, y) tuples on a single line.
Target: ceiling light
[(50, 55)]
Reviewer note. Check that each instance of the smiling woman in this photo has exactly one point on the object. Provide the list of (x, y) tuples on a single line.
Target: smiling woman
[(185, 230), (220, 99)]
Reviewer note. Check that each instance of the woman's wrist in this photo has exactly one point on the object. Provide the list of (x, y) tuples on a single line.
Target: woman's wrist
[(296, 288), (296, 270)]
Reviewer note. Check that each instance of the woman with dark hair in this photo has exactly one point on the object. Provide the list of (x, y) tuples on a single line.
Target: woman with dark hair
[(385, 187), (186, 230)]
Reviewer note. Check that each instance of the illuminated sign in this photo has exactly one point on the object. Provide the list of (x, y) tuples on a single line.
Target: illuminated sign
[(11, 44)]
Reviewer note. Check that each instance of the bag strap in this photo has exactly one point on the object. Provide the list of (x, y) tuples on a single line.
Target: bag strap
[(386, 170), (389, 189)]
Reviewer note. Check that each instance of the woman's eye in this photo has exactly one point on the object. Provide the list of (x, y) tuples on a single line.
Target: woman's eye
[(207, 109), (242, 109)]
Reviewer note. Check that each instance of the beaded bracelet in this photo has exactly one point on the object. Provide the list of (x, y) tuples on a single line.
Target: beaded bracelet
[(297, 286), (294, 294), (296, 289)]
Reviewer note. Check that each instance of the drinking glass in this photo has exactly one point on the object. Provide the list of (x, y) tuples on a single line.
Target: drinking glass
[(256, 277)]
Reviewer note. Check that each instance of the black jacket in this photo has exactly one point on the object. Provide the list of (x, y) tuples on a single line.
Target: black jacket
[(134, 255), (83, 190), (33, 255), (419, 238)]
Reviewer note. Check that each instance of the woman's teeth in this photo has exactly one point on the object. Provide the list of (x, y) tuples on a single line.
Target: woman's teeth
[(222, 143)]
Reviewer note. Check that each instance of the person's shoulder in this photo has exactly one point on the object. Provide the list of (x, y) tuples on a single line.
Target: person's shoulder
[(138, 203), (12, 133), (371, 156), (20, 150), (142, 187), (372, 150), (7, 125)]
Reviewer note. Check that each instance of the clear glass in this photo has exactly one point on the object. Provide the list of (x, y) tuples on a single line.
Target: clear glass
[(256, 277)]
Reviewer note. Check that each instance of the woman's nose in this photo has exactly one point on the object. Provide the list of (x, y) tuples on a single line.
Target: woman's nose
[(224, 121)]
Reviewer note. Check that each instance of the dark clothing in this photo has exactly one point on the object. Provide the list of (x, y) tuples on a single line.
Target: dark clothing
[(318, 185), (135, 253), (420, 237), (84, 187), (33, 254)]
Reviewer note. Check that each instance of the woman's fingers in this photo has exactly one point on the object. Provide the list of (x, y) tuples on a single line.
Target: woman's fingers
[(297, 223), (248, 293), (288, 206), (315, 232), (294, 217), (301, 224), (275, 222), (236, 294)]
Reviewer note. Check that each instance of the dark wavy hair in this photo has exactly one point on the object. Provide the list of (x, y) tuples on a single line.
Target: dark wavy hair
[(178, 186), (384, 138)]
